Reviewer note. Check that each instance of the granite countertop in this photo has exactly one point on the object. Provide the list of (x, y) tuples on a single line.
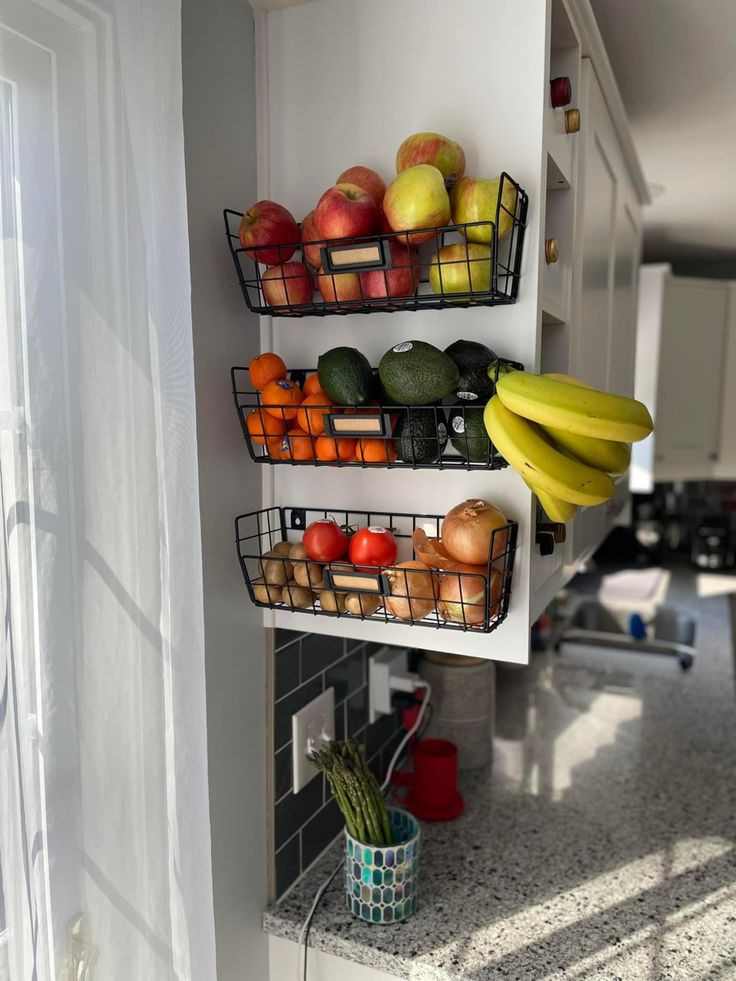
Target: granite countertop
[(601, 846)]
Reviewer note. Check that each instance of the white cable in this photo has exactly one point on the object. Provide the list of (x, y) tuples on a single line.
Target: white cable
[(417, 683)]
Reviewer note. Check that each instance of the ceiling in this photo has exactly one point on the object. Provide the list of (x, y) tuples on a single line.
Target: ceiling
[(675, 63)]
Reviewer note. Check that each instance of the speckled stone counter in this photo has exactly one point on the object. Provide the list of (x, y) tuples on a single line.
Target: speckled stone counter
[(601, 846)]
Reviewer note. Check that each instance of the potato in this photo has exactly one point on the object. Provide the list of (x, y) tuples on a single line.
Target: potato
[(332, 602), (298, 596), (267, 594), (276, 569), (362, 604), (310, 574), (297, 551), (283, 548)]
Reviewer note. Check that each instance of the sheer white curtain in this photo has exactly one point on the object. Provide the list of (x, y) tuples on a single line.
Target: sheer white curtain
[(104, 824)]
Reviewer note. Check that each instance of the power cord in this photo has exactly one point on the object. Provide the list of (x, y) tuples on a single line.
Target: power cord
[(416, 683)]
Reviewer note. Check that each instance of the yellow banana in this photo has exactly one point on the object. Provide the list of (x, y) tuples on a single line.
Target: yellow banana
[(576, 409), (555, 508), (560, 377), (605, 454), (526, 449)]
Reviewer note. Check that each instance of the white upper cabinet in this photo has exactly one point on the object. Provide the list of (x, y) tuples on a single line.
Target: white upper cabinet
[(686, 373)]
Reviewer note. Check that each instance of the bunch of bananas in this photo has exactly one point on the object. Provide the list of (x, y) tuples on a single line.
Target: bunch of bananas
[(565, 438)]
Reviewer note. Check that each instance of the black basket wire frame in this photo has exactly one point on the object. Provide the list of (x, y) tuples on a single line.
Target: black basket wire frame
[(481, 599), (433, 450), (492, 279)]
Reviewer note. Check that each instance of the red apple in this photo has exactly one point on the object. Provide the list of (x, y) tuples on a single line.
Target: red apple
[(346, 211), (371, 182), (311, 253), (287, 285), (400, 280), (268, 224), (338, 286), (432, 148)]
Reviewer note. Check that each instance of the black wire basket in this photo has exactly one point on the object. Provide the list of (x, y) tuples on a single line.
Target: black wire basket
[(476, 600), (385, 272), (428, 437)]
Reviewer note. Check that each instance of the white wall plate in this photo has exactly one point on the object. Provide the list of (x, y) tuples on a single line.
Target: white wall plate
[(315, 722)]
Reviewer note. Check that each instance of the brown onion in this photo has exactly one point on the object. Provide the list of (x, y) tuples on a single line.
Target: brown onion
[(413, 590), (463, 594), (468, 529)]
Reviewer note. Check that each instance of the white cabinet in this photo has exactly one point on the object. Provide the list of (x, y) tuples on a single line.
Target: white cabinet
[(342, 82), (608, 237), (686, 373)]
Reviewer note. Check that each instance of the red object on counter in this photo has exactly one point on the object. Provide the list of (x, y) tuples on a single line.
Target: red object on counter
[(433, 793), (560, 90)]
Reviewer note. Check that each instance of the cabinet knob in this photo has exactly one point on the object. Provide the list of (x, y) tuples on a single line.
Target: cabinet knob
[(551, 252), (572, 120), (713, 456), (560, 91)]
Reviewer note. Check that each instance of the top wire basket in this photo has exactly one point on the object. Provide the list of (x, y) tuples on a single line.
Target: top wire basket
[(463, 265)]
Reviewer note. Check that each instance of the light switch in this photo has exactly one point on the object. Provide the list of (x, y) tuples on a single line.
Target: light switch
[(309, 726)]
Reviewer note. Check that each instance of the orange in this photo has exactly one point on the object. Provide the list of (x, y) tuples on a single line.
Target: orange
[(281, 398), (330, 449), (266, 368), (312, 385), (312, 420), (301, 446), (264, 430), (375, 451)]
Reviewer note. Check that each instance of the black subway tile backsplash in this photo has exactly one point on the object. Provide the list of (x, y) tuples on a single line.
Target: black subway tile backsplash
[(305, 823), (292, 812), (288, 864), (320, 831), (319, 652), (287, 706), (282, 772), (286, 670), (346, 676)]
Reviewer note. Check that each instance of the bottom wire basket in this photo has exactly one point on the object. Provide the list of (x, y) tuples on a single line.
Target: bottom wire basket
[(279, 577)]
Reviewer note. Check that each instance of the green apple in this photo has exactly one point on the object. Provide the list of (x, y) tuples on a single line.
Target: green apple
[(461, 268), (475, 199), (417, 199)]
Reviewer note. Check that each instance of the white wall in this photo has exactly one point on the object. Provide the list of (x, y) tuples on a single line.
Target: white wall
[(219, 124)]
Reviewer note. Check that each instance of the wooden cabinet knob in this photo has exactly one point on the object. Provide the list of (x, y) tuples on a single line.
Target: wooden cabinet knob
[(551, 253), (572, 120), (560, 91)]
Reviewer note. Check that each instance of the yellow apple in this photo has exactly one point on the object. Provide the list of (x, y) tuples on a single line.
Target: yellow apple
[(475, 199), (417, 199), (461, 268)]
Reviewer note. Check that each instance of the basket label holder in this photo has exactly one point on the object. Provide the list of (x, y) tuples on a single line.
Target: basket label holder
[(355, 256), (370, 424), (348, 579)]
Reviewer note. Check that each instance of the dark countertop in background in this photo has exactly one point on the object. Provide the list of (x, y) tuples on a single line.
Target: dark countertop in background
[(600, 847)]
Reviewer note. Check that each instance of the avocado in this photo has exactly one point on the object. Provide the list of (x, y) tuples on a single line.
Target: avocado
[(421, 435), (468, 434), (346, 376), (473, 360), (417, 373)]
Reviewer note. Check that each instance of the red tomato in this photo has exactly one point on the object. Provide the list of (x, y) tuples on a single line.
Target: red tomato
[(373, 546), (325, 541)]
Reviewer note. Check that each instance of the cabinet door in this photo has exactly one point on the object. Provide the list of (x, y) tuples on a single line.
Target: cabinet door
[(622, 330), (599, 170), (691, 359)]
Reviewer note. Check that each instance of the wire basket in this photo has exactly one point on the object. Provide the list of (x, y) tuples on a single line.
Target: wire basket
[(476, 601), (431, 437), (381, 882), (384, 272)]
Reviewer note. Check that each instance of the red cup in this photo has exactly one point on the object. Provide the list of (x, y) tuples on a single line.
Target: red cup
[(433, 793)]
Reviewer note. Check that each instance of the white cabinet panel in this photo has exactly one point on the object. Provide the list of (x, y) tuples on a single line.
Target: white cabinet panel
[(693, 344), (622, 337)]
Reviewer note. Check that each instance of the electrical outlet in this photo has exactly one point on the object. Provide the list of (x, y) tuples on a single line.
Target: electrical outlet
[(384, 663), (308, 727)]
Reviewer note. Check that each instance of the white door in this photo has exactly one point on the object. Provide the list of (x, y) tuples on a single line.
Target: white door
[(692, 354)]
